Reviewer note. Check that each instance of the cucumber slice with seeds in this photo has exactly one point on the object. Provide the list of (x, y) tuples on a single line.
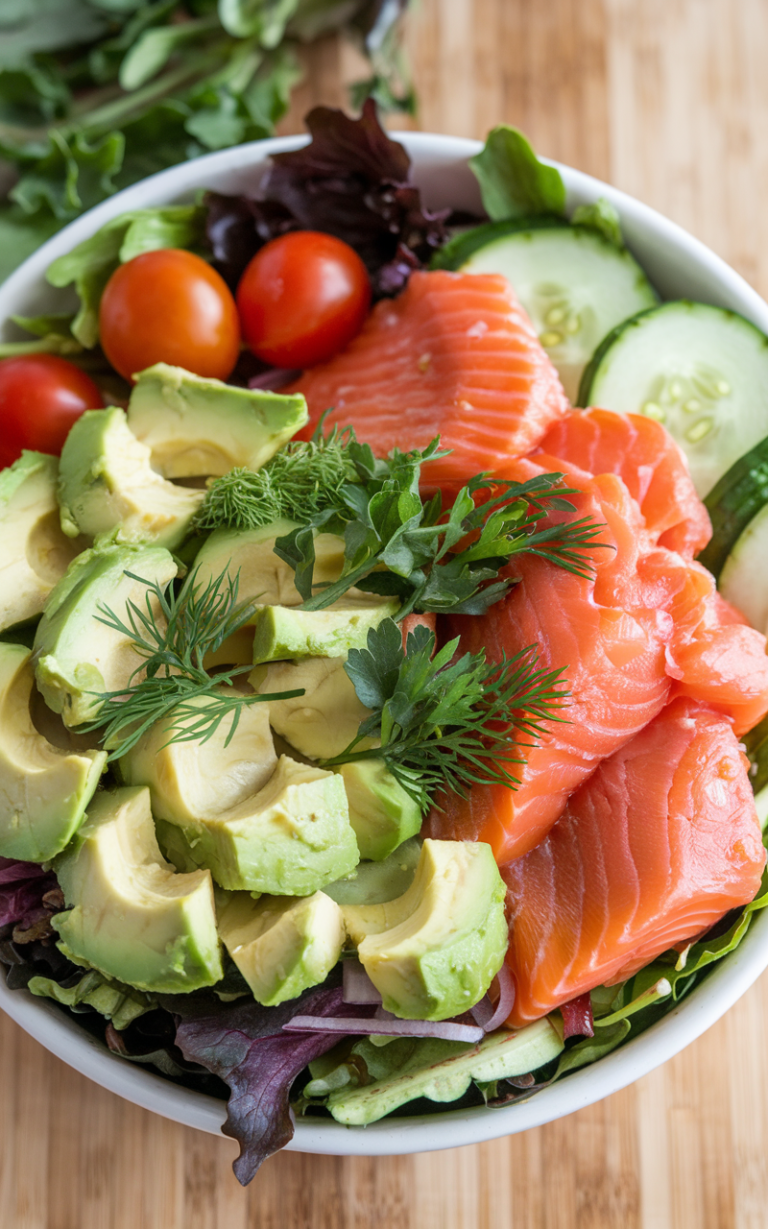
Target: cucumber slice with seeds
[(700, 370), (574, 284)]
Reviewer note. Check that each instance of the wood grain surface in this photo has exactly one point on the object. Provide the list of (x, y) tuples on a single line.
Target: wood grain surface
[(668, 99)]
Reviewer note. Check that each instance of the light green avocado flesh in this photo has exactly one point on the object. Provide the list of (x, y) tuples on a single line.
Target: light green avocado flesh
[(192, 781), (380, 811), (283, 632), (34, 553), (280, 944), (434, 951), (43, 790), (443, 1071), (289, 839), (372, 883), (132, 916), (321, 723), (75, 655), (106, 482), (263, 576), (196, 426)]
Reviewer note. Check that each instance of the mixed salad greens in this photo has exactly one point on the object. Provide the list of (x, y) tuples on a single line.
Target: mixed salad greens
[(340, 1028)]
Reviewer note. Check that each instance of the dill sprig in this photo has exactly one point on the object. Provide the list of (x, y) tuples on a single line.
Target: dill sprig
[(301, 481), (448, 724), (173, 632)]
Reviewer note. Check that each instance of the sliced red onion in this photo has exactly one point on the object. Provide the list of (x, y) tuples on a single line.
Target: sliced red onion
[(446, 1030), (357, 985), (490, 1017), (274, 379)]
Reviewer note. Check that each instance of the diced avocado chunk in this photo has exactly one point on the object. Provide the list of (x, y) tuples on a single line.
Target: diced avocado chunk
[(43, 790), (197, 426), (380, 811), (262, 575), (106, 482), (434, 951), (443, 1070), (75, 655), (289, 839), (280, 944), (132, 916), (321, 723), (34, 553), (190, 781), (283, 632), (371, 883)]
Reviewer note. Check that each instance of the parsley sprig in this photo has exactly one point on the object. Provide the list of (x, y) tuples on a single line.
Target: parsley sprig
[(396, 544), (174, 632), (447, 722)]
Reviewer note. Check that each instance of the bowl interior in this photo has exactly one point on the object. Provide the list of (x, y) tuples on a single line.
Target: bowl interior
[(680, 267)]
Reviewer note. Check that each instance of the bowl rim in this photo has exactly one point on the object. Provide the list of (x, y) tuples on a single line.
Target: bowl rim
[(63, 1036)]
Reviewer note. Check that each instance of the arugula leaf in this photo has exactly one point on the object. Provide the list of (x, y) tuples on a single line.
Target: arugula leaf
[(443, 721), (603, 217), (513, 182)]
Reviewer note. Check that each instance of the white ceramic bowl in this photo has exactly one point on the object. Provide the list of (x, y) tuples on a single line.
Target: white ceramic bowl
[(679, 266)]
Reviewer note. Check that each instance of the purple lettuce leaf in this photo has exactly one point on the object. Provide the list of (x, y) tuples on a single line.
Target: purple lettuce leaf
[(244, 1044), (23, 887), (351, 181)]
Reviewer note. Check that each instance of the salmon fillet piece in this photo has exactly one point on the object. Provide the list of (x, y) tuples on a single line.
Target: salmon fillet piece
[(657, 846), (454, 355)]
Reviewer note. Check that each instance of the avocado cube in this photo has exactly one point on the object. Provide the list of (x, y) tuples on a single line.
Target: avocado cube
[(106, 482), (197, 426), (132, 916), (190, 781), (289, 839), (76, 657), (262, 575), (43, 790), (34, 553), (321, 723), (280, 944), (283, 632), (434, 951), (372, 883), (382, 814)]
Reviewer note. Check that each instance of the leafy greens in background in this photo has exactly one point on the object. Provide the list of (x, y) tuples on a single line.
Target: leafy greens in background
[(96, 94)]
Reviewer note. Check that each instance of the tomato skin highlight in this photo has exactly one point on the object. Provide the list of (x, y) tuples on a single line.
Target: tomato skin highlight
[(169, 306), (302, 298), (41, 396)]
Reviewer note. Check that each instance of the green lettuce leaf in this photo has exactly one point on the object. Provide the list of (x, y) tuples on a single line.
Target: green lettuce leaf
[(119, 1003), (513, 182), (603, 217)]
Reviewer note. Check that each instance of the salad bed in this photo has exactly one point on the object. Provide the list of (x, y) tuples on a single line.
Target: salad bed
[(647, 1007)]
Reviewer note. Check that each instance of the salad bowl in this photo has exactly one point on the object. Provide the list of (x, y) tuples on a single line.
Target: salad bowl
[(680, 267)]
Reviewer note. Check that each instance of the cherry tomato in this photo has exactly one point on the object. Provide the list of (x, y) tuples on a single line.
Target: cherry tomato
[(302, 298), (41, 395), (169, 306)]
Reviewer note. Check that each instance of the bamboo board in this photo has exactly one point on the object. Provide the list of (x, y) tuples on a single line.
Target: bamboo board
[(668, 99)]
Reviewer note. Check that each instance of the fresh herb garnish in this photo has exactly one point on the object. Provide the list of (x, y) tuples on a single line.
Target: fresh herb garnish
[(302, 480), (398, 545), (174, 632), (444, 723)]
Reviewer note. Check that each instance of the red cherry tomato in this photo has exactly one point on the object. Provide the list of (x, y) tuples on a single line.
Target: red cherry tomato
[(169, 306), (41, 395), (302, 298)]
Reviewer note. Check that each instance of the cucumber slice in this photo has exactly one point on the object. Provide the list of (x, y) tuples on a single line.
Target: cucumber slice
[(732, 504), (700, 370), (573, 283), (744, 578)]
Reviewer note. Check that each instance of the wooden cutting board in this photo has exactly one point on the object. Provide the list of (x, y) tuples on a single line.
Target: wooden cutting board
[(667, 99)]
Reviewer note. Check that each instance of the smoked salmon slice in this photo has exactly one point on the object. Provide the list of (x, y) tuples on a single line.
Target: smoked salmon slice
[(650, 463), (454, 355), (658, 845)]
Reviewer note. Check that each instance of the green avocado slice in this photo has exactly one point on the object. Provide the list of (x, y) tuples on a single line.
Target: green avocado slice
[(433, 952), (106, 482), (196, 426), (43, 790), (132, 916), (34, 553), (321, 723), (262, 575), (285, 633)]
